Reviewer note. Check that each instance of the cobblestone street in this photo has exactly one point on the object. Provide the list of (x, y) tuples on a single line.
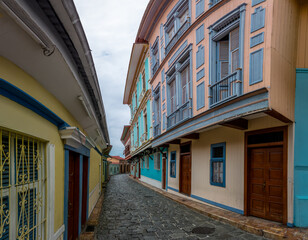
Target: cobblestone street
[(132, 211)]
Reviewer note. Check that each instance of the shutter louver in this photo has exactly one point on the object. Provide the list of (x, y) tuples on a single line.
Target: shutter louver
[(235, 37), (224, 51)]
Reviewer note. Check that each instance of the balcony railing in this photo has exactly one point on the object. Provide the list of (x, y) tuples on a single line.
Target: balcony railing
[(226, 88), (157, 130), (177, 36), (181, 114), (144, 137)]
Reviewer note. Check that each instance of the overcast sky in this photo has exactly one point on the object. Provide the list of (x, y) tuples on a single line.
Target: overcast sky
[(111, 27)]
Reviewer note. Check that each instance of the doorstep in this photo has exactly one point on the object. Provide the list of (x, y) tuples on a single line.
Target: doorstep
[(88, 233), (257, 226)]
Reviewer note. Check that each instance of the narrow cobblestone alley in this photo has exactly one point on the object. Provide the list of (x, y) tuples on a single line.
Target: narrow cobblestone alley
[(132, 211)]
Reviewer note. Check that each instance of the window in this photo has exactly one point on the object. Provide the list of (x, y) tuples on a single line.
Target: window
[(143, 81), (137, 141), (155, 56), (146, 162), (145, 123), (173, 164), (218, 157), (226, 54), (172, 97), (170, 33), (22, 186), (157, 161), (185, 81), (184, 17)]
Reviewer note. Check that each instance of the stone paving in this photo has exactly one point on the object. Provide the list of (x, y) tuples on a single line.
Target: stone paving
[(133, 211)]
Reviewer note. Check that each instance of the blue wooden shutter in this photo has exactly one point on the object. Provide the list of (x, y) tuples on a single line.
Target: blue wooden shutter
[(163, 76), (164, 121), (163, 93), (200, 95), (256, 67), (258, 19), (200, 34), (200, 74), (200, 56), (199, 8), (256, 40), (256, 2), (146, 72), (149, 114)]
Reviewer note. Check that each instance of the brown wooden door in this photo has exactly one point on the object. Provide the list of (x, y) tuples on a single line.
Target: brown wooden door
[(73, 201), (84, 205), (185, 174), (164, 173), (265, 186)]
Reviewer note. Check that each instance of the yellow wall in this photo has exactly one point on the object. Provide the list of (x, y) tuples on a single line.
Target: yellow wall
[(19, 118), (233, 194)]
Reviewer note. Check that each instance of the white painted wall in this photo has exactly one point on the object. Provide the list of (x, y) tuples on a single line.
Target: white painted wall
[(151, 181)]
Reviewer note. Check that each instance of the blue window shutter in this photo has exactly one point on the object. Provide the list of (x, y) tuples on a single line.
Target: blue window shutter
[(141, 124), (200, 95), (256, 2), (258, 19), (256, 40), (163, 93), (146, 71), (168, 99), (149, 114), (200, 56), (200, 74), (256, 67), (164, 121), (137, 92), (199, 8), (163, 76), (200, 34)]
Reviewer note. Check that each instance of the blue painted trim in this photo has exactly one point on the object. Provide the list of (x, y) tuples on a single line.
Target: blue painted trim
[(88, 189), (301, 70), (199, 34), (256, 2), (200, 6), (200, 95), (82, 150), (19, 96), (257, 66), (80, 190), (200, 74), (223, 160), (290, 225), (173, 189), (173, 161), (254, 103), (200, 56), (257, 19), (219, 205), (66, 184), (256, 40), (176, 54)]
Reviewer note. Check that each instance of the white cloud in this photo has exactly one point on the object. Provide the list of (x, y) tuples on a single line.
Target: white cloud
[(111, 28)]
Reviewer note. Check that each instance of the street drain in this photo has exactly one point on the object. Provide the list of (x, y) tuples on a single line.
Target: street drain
[(203, 230), (90, 228)]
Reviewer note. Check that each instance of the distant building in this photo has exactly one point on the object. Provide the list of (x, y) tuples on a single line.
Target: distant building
[(53, 129), (117, 165), (125, 139), (224, 80)]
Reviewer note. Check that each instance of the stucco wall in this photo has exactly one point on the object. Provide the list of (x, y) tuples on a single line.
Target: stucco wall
[(151, 172)]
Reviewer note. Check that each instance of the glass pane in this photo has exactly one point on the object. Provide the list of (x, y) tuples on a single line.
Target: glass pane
[(218, 152)]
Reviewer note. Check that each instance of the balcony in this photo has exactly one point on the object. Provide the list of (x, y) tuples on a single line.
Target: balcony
[(226, 89), (157, 130), (177, 36), (179, 115)]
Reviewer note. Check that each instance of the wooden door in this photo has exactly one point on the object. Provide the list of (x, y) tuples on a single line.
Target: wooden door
[(73, 201), (164, 173), (185, 174), (265, 186), (84, 205)]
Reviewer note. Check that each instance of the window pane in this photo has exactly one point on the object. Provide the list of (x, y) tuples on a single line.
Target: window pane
[(218, 152), (234, 39), (217, 172), (235, 60)]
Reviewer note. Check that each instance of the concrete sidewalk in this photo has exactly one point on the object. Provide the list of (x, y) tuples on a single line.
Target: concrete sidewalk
[(261, 227)]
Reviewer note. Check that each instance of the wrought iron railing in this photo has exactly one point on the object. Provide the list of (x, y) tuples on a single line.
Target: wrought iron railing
[(226, 88), (181, 114), (157, 130), (177, 36)]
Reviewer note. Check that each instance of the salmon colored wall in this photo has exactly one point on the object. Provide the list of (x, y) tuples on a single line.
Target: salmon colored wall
[(208, 21)]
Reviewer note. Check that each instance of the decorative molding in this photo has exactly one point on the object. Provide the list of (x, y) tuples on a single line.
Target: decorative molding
[(256, 2), (200, 95), (199, 34), (73, 137), (257, 19), (256, 67), (200, 8), (256, 40), (176, 54), (200, 74), (200, 56), (58, 233)]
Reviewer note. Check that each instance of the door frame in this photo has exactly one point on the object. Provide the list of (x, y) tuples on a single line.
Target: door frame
[(284, 145), (164, 172), (180, 175)]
